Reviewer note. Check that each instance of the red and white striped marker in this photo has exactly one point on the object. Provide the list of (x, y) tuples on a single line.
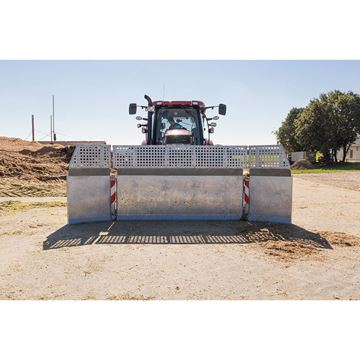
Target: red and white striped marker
[(113, 196), (246, 198)]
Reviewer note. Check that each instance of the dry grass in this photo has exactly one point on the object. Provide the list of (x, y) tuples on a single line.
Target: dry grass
[(302, 249), (290, 250), (340, 239), (11, 207), (18, 188), (32, 169)]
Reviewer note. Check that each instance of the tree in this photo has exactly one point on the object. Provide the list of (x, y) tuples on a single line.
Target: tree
[(286, 133), (312, 128), (329, 123), (344, 118)]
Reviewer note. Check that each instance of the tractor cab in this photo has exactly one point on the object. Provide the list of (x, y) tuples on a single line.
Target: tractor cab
[(176, 122)]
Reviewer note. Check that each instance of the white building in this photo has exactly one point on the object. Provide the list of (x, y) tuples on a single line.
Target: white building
[(353, 153)]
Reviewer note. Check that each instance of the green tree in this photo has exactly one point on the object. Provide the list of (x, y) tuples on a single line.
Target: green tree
[(286, 133), (312, 130), (329, 123), (344, 118)]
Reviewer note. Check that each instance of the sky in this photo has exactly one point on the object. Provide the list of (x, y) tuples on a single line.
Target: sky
[(92, 97)]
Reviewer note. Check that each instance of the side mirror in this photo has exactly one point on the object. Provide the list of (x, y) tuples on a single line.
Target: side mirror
[(215, 118), (222, 109), (132, 109)]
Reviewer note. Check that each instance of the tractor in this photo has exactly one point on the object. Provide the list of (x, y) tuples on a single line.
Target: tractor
[(176, 175), (176, 122)]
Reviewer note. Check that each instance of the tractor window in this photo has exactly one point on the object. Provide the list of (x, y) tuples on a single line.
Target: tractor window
[(177, 118)]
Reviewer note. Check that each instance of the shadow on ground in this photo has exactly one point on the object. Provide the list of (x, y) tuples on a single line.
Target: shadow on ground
[(181, 232)]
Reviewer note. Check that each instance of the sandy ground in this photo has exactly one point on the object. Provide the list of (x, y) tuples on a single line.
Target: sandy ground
[(328, 201), (316, 258), (349, 180)]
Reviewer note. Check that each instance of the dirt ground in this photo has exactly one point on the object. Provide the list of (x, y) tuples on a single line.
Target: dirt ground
[(316, 258)]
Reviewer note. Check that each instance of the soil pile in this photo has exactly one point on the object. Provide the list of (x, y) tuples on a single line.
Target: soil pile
[(27, 166), (302, 164)]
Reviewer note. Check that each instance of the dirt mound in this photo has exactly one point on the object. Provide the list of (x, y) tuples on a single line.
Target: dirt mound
[(302, 164), (16, 144), (24, 162), (50, 151)]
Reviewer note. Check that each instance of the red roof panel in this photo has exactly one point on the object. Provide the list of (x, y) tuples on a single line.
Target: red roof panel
[(181, 103)]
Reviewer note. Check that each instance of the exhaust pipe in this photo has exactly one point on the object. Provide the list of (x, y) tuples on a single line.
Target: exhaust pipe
[(148, 99), (149, 123)]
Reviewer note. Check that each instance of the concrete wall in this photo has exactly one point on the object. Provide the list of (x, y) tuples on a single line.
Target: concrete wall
[(303, 155), (299, 155), (88, 195), (179, 194), (199, 194), (270, 195)]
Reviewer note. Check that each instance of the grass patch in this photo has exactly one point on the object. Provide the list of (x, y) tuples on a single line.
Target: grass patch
[(348, 166), (19, 187), (10, 207)]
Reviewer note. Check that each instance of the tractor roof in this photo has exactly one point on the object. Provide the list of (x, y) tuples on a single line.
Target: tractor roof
[(179, 103)]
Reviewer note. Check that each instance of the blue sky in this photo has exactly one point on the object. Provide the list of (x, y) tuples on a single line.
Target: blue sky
[(92, 97)]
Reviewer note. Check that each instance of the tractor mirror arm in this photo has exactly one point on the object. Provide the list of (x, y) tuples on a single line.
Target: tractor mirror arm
[(143, 107), (140, 118), (208, 107), (222, 108), (133, 107)]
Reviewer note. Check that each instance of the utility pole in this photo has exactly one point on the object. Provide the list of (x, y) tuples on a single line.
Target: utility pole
[(33, 128), (53, 117), (51, 129)]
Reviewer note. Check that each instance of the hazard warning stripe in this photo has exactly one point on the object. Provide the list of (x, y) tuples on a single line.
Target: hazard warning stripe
[(246, 191), (246, 198), (113, 196), (113, 190)]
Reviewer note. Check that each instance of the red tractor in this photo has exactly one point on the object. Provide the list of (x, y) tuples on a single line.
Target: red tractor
[(176, 122)]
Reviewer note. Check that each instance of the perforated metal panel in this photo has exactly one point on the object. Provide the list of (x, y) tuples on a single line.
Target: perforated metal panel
[(267, 156), (190, 156), (179, 156), (91, 156)]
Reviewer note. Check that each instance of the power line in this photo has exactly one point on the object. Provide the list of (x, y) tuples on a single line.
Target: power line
[(53, 118), (42, 132), (28, 135), (44, 137), (69, 136)]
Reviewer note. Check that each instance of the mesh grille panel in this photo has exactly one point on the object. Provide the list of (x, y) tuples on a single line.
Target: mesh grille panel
[(179, 156), (272, 156), (190, 156), (91, 156)]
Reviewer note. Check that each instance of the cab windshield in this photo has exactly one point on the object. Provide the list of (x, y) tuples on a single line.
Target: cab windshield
[(177, 118)]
